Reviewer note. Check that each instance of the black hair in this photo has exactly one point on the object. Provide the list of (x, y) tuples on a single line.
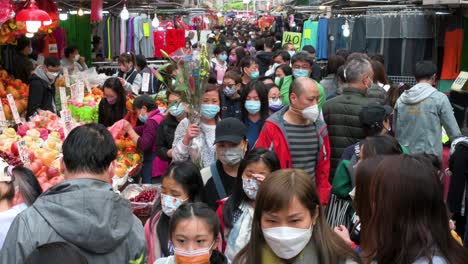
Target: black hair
[(219, 49), (270, 86), (22, 43), (259, 44), (51, 61), (424, 70), (334, 62), (188, 176), (56, 253), (303, 56), (378, 57), (269, 42), (127, 57), (27, 183), (141, 61), (286, 69), (284, 55), (309, 48), (279, 36), (343, 53), (380, 145), (112, 113), (238, 195), (145, 100), (262, 95), (89, 149), (69, 50), (340, 73), (204, 212), (247, 62)]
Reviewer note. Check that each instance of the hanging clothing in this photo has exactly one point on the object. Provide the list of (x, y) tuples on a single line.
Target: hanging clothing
[(144, 36), (336, 40), (322, 39), (452, 54), (309, 36), (358, 41)]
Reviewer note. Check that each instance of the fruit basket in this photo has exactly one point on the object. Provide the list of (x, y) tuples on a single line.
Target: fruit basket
[(142, 197)]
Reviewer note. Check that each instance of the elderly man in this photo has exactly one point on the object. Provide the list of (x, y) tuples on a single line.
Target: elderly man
[(342, 112), (299, 137)]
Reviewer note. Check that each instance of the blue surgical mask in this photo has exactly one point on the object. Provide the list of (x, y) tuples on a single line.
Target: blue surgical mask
[(254, 75), (170, 204), (252, 107), (291, 53), (250, 187), (275, 104), (229, 91), (209, 111), (300, 73), (143, 118), (223, 57), (177, 110)]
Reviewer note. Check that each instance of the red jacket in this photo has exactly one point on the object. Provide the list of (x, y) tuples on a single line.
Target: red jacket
[(273, 136)]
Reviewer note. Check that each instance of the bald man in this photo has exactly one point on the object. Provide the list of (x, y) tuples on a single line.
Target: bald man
[(299, 137)]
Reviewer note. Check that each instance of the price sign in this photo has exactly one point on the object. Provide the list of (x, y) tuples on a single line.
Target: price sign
[(145, 82), (460, 83), (293, 38), (14, 109), (2, 114), (53, 48), (74, 92), (88, 86), (80, 87), (66, 75), (23, 152), (66, 120)]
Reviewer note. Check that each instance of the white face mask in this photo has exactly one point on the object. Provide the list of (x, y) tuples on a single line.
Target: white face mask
[(287, 242), (77, 57), (311, 113)]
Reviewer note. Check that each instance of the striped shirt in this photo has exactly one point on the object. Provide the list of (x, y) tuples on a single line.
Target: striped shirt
[(303, 145)]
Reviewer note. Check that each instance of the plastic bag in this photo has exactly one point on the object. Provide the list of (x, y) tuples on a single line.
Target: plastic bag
[(117, 129)]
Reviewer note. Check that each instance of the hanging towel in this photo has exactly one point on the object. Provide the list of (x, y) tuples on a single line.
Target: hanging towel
[(309, 36), (452, 54), (322, 40)]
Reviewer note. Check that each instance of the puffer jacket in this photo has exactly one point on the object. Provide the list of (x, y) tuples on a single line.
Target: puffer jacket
[(342, 117), (82, 212)]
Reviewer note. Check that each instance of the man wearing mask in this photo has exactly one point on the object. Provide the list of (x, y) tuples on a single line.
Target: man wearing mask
[(230, 99), (421, 112), (231, 145), (41, 87), (73, 61), (299, 137), (290, 48), (342, 112)]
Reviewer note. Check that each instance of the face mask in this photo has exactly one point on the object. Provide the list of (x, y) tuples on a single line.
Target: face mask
[(199, 256), (209, 111), (232, 59), (231, 156), (228, 44), (229, 91), (30, 51), (287, 242), (276, 65), (250, 187), (52, 75), (291, 53), (277, 80), (177, 110), (77, 57), (275, 104), (170, 204), (223, 57), (300, 73), (143, 118), (311, 113), (252, 107), (254, 75)]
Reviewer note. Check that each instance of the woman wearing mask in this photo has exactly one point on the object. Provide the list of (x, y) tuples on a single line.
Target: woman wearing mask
[(144, 136), (183, 147), (249, 68), (128, 75), (410, 186), (289, 226), (235, 57), (274, 99), (112, 106), (19, 189), (236, 213), (181, 184), (219, 63), (283, 79), (254, 101), (194, 232), (230, 99), (166, 130)]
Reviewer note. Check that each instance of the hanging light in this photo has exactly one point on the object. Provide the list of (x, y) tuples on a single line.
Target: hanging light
[(80, 12), (124, 14), (63, 16), (33, 17), (29, 35), (155, 22), (346, 31)]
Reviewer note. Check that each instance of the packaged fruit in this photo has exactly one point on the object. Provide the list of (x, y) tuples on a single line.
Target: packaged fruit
[(142, 197)]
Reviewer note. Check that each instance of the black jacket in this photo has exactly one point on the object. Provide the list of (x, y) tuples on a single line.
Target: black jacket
[(41, 96), (165, 137), (22, 68), (264, 59)]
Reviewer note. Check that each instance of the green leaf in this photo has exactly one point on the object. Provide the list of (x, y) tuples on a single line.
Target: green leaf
[(182, 87), (164, 67)]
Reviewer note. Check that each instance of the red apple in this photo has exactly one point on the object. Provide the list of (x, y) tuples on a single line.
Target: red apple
[(31, 156), (14, 149), (54, 181), (52, 172)]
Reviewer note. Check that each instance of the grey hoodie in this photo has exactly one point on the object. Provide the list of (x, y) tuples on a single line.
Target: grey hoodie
[(420, 113), (83, 212)]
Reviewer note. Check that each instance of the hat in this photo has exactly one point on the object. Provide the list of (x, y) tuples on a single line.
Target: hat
[(230, 130), (374, 114)]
